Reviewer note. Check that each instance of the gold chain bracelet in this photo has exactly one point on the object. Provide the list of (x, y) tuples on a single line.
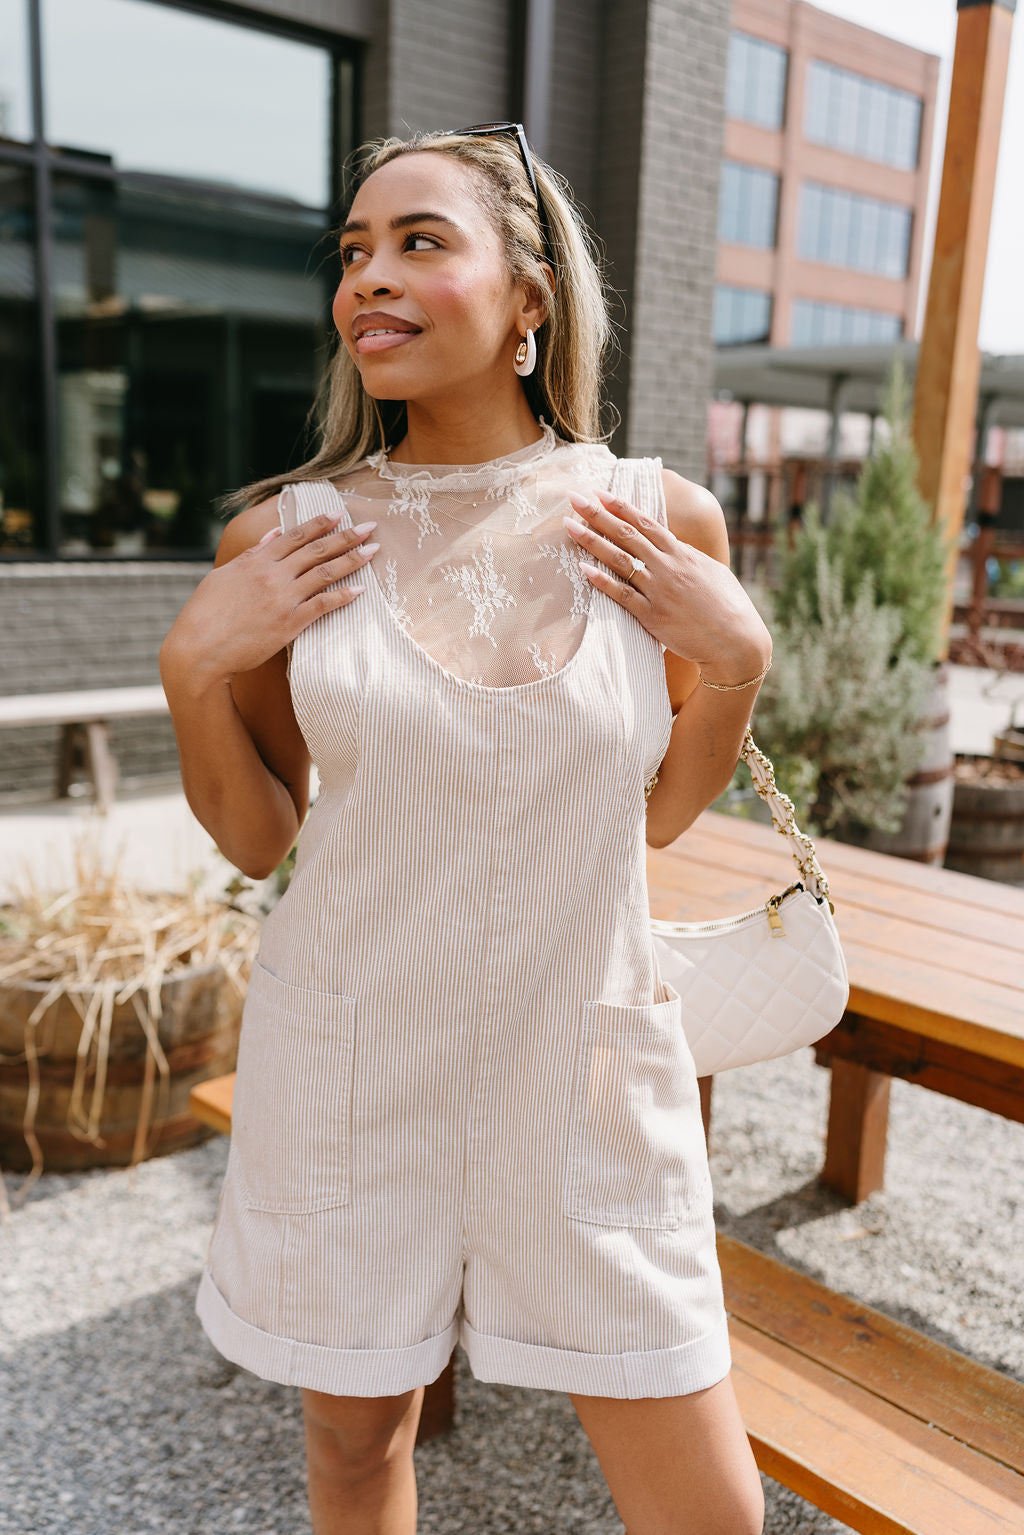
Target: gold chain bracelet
[(731, 687)]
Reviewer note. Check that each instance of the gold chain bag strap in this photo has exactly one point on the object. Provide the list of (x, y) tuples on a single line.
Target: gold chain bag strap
[(768, 981)]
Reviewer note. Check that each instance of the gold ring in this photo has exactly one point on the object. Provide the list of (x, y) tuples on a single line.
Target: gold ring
[(638, 564)]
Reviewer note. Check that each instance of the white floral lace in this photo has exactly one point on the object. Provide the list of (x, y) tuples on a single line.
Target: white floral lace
[(474, 562)]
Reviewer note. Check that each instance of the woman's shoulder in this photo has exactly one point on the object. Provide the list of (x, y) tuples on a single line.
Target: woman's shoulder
[(694, 515)]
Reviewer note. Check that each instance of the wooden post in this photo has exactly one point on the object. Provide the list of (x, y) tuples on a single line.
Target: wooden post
[(949, 362)]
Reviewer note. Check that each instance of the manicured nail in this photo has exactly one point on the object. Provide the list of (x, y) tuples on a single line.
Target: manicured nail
[(364, 527)]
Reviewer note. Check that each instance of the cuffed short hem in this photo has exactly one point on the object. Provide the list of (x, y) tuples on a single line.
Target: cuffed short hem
[(338, 1371), (658, 1372)]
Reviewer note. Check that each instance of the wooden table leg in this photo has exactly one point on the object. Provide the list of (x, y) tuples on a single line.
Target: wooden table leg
[(438, 1414), (101, 761), (858, 1118), (86, 745)]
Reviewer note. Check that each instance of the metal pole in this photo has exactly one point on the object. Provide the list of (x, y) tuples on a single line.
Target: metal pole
[(44, 284)]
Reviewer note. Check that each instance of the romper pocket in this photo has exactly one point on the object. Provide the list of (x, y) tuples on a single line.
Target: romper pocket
[(291, 1119), (636, 1154)]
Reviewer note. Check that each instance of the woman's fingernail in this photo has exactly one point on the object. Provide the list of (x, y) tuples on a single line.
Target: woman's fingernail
[(364, 527), (579, 502), (269, 534), (573, 525)]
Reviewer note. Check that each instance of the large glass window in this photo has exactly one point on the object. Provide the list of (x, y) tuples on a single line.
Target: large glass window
[(186, 233), (15, 91), (848, 230), (184, 95), (741, 315), (755, 86), (186, 335), (817, 324), (747, 205), (860, 116)]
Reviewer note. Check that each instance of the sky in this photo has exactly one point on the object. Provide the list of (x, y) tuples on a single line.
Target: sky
[(931, 25)]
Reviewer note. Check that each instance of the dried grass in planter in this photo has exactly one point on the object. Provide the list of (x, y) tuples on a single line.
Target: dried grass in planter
[(100, 944)]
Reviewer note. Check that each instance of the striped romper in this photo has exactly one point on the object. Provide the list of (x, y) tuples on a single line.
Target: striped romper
[(465, 1110)]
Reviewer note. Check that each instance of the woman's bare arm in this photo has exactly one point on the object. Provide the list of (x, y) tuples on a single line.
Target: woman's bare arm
[(709, 727), (244, 763)]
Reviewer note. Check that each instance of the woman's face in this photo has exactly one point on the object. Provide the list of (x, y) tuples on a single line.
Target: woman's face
[(441, 272)]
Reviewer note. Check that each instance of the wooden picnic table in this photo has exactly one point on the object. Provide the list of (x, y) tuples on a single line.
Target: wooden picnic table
[(936, 964)]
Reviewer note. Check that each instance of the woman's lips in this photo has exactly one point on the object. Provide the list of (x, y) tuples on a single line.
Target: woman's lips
[(384, 343)]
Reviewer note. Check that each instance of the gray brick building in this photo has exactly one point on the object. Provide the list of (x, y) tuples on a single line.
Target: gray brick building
[(626, 99)]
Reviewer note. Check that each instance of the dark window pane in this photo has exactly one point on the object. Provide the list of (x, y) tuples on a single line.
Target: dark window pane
[(15, 77), (186, 95), (21, 449), (188, 328)]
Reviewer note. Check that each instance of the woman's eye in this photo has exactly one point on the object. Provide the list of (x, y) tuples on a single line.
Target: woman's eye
[(347, 249)]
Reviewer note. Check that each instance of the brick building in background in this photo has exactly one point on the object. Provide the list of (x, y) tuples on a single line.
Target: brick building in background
[(166, 269), (825, 171)]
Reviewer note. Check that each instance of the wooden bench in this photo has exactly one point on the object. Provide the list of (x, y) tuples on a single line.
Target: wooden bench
[(866, 1418), (84, 718), (936, 962), (883, 1428)]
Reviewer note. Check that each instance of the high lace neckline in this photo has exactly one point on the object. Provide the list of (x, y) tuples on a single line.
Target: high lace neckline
[(507, 467)]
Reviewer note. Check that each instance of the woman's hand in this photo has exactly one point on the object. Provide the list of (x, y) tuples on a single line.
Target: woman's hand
[(252, 605), (690, 602)]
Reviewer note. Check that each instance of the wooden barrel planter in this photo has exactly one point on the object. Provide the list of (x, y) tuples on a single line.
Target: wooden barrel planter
[(923, 834), (986, 836), (122, 1100)]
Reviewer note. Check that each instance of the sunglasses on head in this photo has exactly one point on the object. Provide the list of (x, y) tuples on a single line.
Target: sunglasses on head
[(516, 130)]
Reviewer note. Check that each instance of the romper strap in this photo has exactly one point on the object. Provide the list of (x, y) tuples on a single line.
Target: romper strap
[(287, 507), (300, 500), (625, 480), (639, 480)]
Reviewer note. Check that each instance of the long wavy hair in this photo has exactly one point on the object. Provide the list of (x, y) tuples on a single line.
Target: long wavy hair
[(573, 343)]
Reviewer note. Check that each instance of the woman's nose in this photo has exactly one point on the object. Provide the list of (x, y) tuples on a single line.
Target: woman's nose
[(374, 279)]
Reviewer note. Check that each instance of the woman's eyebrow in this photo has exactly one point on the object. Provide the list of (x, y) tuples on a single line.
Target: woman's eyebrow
[(399, 222)]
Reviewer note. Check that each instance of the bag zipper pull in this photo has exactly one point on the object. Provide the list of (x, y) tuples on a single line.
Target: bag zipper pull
[(772, 908)]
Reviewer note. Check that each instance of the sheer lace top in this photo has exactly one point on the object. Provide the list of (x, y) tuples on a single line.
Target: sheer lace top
[(474, 562)]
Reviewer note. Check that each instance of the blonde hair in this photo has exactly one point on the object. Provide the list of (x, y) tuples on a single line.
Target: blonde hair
[(573, 342)]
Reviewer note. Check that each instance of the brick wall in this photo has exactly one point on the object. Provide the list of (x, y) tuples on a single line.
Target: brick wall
[(82, 625), (437, 65), (670, 321)]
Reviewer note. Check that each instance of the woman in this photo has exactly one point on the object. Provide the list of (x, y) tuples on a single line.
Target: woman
[(465, 1109)]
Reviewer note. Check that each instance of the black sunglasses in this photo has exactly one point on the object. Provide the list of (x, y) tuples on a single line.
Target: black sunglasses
[(483, 130)]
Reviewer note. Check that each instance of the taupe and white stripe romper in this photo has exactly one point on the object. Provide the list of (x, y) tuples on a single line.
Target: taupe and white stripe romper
[(465, 1109)]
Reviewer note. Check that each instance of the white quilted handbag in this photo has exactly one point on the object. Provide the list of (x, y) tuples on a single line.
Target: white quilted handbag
[(770, 980)]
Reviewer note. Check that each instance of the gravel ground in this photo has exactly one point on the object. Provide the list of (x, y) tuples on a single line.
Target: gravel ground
[(121, 1418)]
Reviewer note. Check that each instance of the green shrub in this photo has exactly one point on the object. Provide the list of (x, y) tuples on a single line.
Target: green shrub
[(855, 618)]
